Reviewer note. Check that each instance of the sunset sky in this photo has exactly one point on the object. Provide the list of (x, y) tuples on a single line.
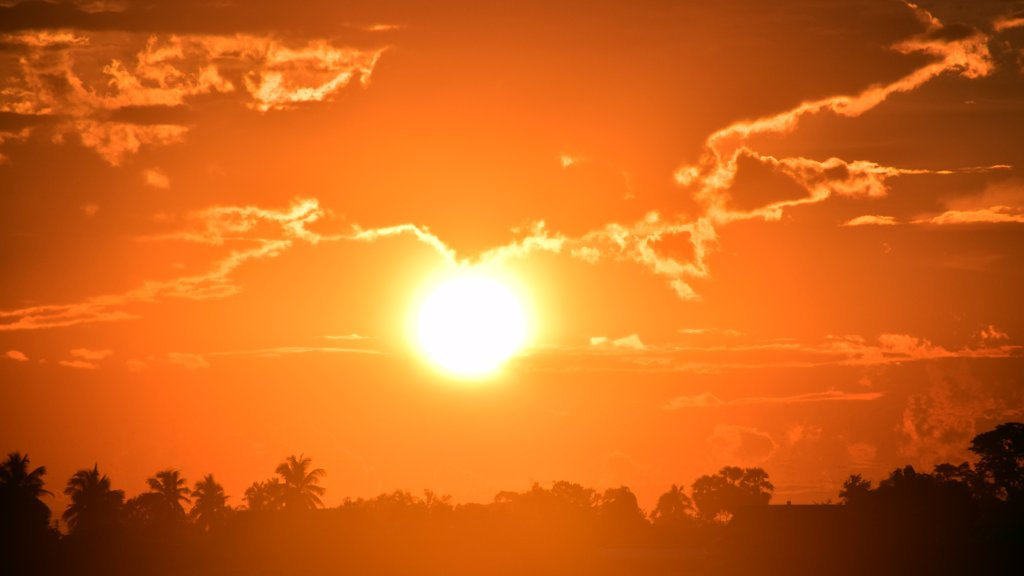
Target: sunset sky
[(777, 234)]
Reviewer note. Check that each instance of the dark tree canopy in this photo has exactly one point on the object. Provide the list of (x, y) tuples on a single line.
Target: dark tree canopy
[(674, 508), (300, 485), (720, 495), (95, 507), (1001, 460), (209, 503)]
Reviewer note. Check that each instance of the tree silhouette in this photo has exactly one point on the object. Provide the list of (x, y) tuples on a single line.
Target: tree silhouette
[(620, 516), (95, 508), (1001, 463), (161, 508), (171, 488), (262, 496), (209, 506), (24, 518), (300, 488), (719, 496), (15, 477), (674, 508), (855, 490)]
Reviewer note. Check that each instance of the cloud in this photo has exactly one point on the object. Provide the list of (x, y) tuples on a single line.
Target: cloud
[(568, 161), (708, 400), (991, 333), (56, 69), (347, 337), (265, 233), (173, 71), (78, 364), (941, 419), (712, 177), (90, 209), (630, 342), (188, 361), (744, 354), (1008, 22), (12, 136), (422, 234), (992, 215), (16, 355), (703, 400), (710, 331), (871, 220), (741, 445), (289, 350), (861, 455), (90, 354), (156, 178), (94, 6), (114, 141), (45, 39)]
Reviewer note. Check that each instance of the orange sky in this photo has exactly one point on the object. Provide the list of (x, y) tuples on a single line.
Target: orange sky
[(777, 234)]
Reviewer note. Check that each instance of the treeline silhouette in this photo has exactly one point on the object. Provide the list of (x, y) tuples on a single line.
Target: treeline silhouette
[(957, 519)]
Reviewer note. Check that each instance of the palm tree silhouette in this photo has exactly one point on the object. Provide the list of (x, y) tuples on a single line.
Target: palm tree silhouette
[(674, 508), (25, 534), (16, 479), (171, 488), (300, 486), (209, 507), (94, 506)]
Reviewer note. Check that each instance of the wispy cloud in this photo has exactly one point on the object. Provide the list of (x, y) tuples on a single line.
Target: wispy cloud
[(992, 215), (630, 342), (743, 445), (289, 350), (266, 233), (1008, 22), (156, 178), (90, 354), (78, 364), (188, 361), (166, 72), (744, 354), (871, 220), (708, 400), (991, 333), (16, 355)]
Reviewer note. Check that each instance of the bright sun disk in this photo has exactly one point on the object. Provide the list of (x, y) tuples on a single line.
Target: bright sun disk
[(469, 325)]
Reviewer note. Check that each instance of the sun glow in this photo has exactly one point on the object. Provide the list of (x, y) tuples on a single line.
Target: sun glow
[(470, 324)]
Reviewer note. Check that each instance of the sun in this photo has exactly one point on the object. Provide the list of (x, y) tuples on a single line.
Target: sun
[(469, 324)]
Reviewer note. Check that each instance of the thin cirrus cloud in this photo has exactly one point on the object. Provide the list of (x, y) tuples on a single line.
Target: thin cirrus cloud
[(78, 364), (872, 220), (46, 74), (188, 361), (992, 215), (845, 350), (630, 342), (708, 400), (85, 358), (91, 354)]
